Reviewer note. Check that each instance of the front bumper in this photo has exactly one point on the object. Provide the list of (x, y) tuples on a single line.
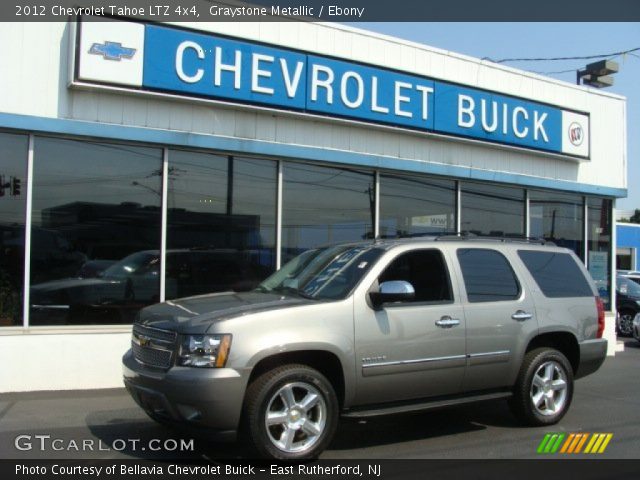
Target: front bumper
[(592, 356), (204, 400)]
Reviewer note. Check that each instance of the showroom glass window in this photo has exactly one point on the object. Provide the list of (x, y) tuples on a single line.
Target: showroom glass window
[(494, 210), (413, 205), (558, 217), (95, 231), (13, 179), (599, 244), (220, 223), (324, 205)]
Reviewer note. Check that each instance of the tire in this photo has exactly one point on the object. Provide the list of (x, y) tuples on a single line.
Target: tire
[(544, 388), (295, 431), (636, 333), (624, 323)]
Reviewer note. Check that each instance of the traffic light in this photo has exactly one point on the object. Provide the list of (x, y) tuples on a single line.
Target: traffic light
[(15, 186)]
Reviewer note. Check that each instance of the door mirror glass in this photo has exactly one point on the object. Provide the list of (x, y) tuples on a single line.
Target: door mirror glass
[(392, 291)]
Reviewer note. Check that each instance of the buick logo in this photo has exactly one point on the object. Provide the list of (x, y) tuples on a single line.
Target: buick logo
[(576, 134)]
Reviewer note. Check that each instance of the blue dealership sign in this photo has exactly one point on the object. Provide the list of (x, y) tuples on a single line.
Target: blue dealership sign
[(216, 67), (203, 65), (497, 118), (366, 93)]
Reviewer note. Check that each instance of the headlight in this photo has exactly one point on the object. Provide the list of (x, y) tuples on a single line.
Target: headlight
[(204, 350)]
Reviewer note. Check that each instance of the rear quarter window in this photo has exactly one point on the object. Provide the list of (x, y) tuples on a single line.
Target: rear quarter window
[(556, 274)]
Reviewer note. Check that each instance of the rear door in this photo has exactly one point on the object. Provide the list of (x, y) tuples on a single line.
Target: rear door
[(500, 317)]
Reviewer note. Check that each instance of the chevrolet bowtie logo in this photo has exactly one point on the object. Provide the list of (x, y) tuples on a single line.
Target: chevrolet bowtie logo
[(112, 51)]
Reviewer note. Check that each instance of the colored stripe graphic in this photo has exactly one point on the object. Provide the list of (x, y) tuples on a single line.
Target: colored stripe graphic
[(603, 447), (591, 443), (582, 442), (568, 442), (550, 443), (598, 443), (555, 443)]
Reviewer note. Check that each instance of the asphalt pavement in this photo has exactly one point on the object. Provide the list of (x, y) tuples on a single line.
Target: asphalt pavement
[(101, 424)]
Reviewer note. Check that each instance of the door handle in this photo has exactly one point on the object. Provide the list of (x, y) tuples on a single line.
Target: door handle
[(447, 322), (521, 315)]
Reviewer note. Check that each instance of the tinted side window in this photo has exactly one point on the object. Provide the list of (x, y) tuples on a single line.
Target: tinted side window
[(488, 277), (556, 274), (426, 271)]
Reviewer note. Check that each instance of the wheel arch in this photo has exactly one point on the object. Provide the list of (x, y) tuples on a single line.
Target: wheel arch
[(324, 361), (563, 341)]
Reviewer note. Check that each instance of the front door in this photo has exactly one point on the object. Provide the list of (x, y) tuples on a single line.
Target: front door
[(411, 349)]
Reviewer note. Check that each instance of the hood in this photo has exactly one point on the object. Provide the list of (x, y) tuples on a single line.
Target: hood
[(197, 314)]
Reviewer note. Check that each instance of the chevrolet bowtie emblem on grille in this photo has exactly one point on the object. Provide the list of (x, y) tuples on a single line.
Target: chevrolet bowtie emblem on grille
[(112, 51), (144, 340)]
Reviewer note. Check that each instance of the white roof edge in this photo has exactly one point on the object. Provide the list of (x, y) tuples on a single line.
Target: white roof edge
[(427, 48), (625, 224), (468, 58)]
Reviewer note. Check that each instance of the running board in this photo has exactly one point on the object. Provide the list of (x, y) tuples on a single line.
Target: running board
[(377, 410)]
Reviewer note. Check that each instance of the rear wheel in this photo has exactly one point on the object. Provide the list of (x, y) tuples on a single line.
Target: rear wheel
[(290, 413), (544, 389)]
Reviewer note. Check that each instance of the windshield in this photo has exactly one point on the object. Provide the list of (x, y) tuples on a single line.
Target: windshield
[(323, 273), (135, 264), (627, 287)]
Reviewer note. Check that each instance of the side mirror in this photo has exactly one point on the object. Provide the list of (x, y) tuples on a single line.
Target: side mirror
[(392, 291)]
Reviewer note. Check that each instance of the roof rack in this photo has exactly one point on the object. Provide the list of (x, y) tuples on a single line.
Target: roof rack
[(504, 239), (420, 234), (452, 235)]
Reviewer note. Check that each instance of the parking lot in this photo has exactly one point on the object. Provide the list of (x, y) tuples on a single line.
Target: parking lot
[(607, 402)]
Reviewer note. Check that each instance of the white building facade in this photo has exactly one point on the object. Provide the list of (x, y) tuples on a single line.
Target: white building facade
[(146, 162)]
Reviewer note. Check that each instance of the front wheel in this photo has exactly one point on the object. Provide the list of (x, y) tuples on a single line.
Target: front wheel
[(290, 413), (544, 389)]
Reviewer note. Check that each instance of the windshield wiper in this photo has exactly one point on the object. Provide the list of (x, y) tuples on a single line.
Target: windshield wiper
[(294, 291)]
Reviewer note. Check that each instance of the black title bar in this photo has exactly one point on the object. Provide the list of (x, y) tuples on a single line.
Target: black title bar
[(327, 10), (330, 469)]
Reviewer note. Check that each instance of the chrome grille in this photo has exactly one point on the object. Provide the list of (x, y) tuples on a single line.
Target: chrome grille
[(153, 347), (155, 333), (152, 357)]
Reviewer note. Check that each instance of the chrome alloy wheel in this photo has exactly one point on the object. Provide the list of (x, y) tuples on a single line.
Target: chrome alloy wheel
[(549, 388), (296, 417), (625, 324)]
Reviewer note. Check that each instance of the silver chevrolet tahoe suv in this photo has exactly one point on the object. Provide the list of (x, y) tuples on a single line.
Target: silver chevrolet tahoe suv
[(371, 328)]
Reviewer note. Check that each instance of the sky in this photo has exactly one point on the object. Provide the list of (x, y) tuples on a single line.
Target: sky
[(544, 40)]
